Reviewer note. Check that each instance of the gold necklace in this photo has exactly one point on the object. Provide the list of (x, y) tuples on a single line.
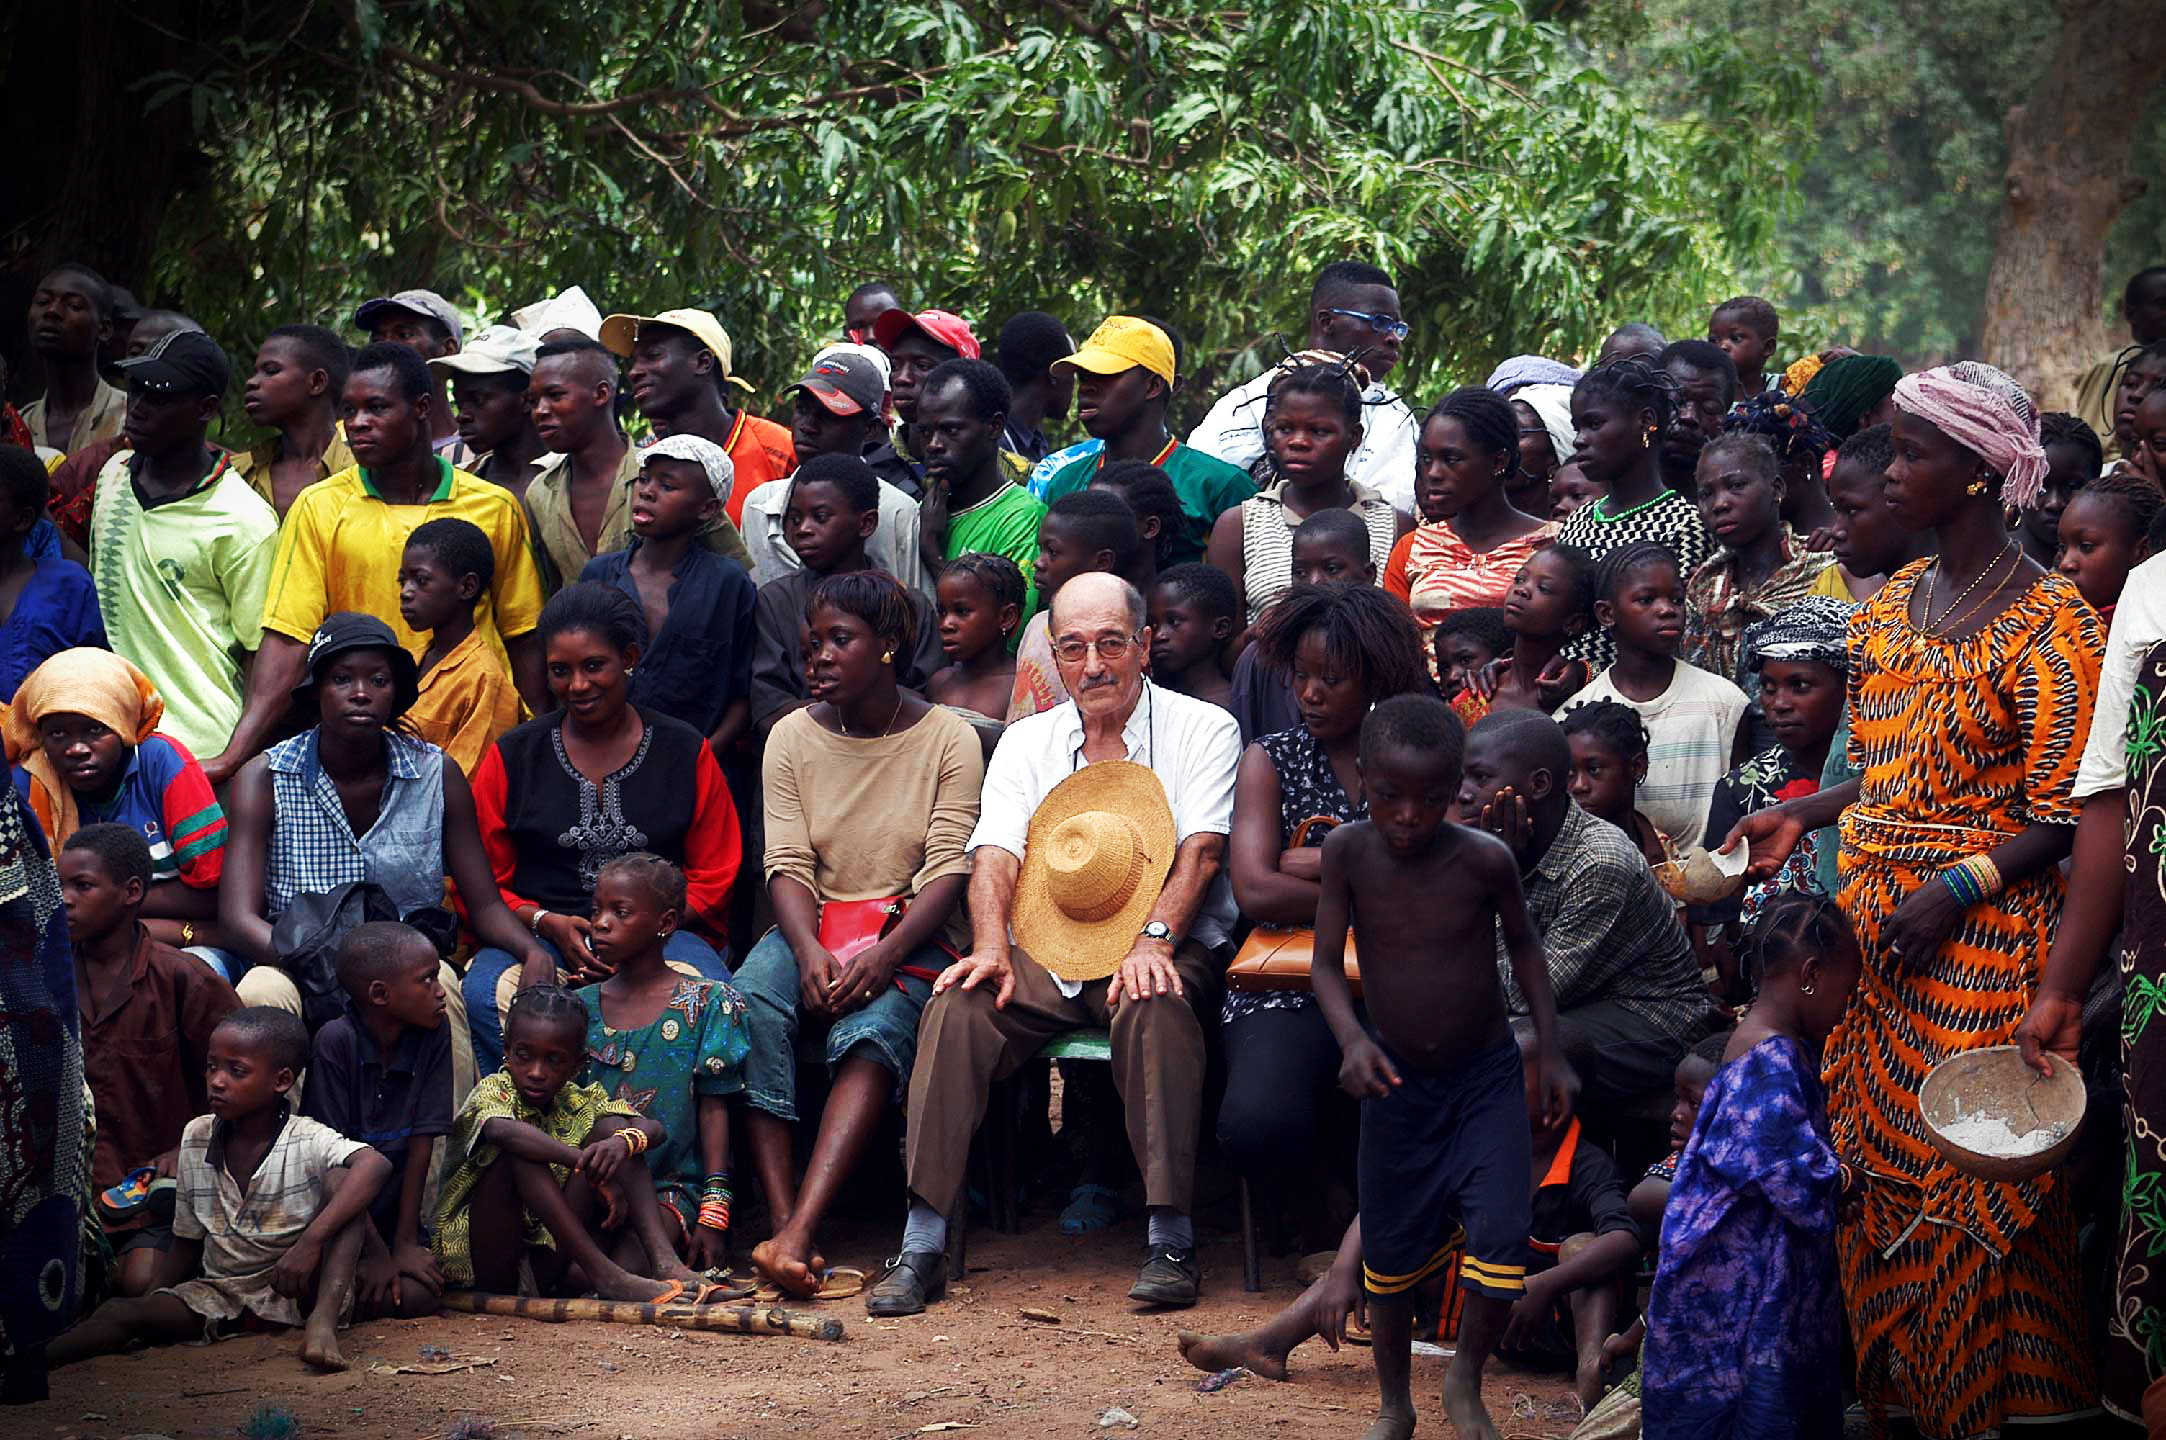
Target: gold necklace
[(892, 717), (1926, 628)]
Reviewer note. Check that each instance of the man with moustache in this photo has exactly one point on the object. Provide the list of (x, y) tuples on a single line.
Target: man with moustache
[(1706, 388)]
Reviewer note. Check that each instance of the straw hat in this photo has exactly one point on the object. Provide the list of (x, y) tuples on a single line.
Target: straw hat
[(1097, 855)]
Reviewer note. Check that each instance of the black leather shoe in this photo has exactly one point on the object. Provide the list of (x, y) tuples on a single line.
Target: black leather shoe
[(911, 1281), (1170, 1277)]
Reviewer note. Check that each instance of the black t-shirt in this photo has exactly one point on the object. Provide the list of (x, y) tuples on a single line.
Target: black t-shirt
[(385, 1102)]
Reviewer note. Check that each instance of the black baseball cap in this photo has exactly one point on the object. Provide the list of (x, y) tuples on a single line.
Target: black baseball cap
[(186, 362)]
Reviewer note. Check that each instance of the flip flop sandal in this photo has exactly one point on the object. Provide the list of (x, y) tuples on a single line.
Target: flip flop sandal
[(841, 1282), (713, 1294), (1357, 1334), (1090, 1207), (673, 1293)]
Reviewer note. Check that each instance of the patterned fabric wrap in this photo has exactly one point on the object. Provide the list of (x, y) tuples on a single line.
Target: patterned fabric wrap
[(96, 683), (1523, 370), (1981, 409), (1962, 1293), (44, 1152), (1552, 405), (1844, 390), (1815, 628), (1718, 610)]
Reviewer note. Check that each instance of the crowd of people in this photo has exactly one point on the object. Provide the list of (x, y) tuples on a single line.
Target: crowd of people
[(460, 840)]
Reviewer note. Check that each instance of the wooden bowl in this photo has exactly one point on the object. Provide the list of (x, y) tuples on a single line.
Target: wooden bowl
[(1994, 1085)]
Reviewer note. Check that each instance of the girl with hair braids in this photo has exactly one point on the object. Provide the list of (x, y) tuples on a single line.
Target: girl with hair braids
[(1972, 681), (1471, 540), (1312, 424), (598, 777), (1620, 411)]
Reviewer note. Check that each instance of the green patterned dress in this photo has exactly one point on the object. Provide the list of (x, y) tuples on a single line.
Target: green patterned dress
[(2136, 1331)]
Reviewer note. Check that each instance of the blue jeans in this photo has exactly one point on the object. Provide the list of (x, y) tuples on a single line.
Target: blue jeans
[(228, 963), (486, 1022), (885, 1029)]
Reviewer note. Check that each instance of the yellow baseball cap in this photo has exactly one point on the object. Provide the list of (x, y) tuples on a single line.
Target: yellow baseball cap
[(1123, 342), (620, 331)]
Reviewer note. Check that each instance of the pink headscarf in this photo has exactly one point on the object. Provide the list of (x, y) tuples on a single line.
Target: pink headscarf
[(1985, 412)]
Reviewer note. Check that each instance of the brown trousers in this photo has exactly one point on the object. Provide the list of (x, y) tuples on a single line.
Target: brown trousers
[(964, 1045)]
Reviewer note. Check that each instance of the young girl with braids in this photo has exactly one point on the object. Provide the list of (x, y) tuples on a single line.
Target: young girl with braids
[(1744, 1327), (2104, 535), (1609, 760), (981, 605), (670, 1045), (1312, 424), (551, 1172), (1621, 410)]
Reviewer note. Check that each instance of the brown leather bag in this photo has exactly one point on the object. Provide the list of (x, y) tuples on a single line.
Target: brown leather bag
[(1275, 959)]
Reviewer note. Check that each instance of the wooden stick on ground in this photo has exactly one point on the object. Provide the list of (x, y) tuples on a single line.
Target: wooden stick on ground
[(735, 1319)]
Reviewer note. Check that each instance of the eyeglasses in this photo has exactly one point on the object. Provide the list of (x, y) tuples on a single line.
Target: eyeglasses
[(1109, 647), (1381, 324)]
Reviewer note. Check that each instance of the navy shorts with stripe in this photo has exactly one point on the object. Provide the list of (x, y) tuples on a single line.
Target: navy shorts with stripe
[(1448, 1151)]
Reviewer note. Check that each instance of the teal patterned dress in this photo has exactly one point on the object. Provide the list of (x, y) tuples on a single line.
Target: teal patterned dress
[(696, 1046), (2136, 1331)]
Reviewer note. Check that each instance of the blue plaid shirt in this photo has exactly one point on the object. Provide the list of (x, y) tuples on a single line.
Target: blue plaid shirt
[(313, 850)]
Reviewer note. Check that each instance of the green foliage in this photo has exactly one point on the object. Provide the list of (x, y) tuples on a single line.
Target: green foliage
[(1899, 181), (1070, 155)]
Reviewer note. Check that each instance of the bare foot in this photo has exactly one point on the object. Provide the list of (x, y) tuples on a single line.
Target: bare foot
[(319, 1344), (1391, 1425), (1213, 1353), (1463, 1406), (625, 1286), (1588, 1380), (785, 1269)]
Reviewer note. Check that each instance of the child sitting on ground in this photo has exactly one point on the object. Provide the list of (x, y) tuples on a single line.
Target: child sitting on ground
[(1609, 762), (2105, 534), (467, 698), (833, 509), (1692, 716), (669, 1045), (697, 666), (1083, 531), (1194, 612), (1445, 1100), (1331, 549), (1550, 602), (1464, 643), (148, 1013), (981, 606), (1745, 1323), (548, 1169), (383, 1071), (275, 1219), (1572, 487)]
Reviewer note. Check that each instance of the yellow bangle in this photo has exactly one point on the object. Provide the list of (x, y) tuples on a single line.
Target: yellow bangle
[(1986, 873), (188, 932), (634, 1138)]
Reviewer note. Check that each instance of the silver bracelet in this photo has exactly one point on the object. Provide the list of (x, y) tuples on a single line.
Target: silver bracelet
[(533, 922)]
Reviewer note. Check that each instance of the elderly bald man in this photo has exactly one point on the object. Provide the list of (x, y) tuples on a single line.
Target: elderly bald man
[(994, 1008)]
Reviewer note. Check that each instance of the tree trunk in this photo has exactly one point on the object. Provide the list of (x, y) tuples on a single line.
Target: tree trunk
[(2068, 179)]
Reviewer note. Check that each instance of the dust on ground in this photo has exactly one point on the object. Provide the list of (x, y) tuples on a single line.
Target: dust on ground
[(971, 1366)]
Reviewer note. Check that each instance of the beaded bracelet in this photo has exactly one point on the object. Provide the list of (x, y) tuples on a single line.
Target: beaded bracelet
[(714, 1203), (1986, 873), (1961, 884), (634, 1138)]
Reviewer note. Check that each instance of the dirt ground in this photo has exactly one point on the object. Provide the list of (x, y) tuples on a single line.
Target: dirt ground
[(971, 1365)]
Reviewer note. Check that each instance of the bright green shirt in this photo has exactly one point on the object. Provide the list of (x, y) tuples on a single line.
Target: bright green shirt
[(1004, 523)]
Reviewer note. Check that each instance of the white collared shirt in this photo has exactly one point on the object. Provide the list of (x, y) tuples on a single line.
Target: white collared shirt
[(1193, 746), (893, 546), (1384, 461)]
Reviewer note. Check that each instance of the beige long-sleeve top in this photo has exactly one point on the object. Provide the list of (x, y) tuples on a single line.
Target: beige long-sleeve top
[(863, 819)]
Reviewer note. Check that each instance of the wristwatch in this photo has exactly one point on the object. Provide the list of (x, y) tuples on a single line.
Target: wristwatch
[(1157, 930)]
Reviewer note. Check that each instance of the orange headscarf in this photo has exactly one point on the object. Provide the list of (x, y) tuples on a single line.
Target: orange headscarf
[(96, 683)]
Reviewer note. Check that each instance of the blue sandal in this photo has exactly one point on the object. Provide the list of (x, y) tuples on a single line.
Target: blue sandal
[(1090, 1207)]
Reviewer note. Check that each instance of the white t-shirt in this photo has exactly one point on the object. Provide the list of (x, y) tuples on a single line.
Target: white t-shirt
[(1384, 461), (1193, 746), (2139, 623), (1690, 729)]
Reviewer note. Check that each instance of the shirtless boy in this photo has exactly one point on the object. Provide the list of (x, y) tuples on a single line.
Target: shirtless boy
[(1444, 1134)]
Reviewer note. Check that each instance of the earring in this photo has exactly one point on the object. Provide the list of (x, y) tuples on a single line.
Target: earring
[(1976, 487), (1805, 988), (887, 657), (630, 671), (1647, 438)]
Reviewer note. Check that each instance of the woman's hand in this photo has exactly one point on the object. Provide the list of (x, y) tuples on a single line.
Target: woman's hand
[(2054, 1023), (1561, 679), (817, 971), (864, 975), (568, 933), (1772, 833), (1925, 918), (1306, 863)]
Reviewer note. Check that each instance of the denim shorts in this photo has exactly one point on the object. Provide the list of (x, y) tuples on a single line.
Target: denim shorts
[(885, 1029)]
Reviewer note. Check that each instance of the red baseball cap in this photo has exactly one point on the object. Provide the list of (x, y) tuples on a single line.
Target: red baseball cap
[(939, 326)]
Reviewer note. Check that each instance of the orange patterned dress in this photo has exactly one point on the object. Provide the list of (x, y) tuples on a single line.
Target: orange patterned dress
[(1962, 1293), (1435, 573)]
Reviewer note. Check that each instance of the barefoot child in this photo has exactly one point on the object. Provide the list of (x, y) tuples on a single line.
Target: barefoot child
[(672, 1046), (271, 1204), (383, 1071), (1609, 760), (1744, 1328), (148, 1014), (1194, 612), (1692, 716), (1551, 602), (981, 606), (547, 1169), (1444, 1097), (467, 698)]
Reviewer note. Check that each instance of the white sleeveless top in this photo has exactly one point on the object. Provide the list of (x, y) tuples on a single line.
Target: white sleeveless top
[(1267, 540)]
